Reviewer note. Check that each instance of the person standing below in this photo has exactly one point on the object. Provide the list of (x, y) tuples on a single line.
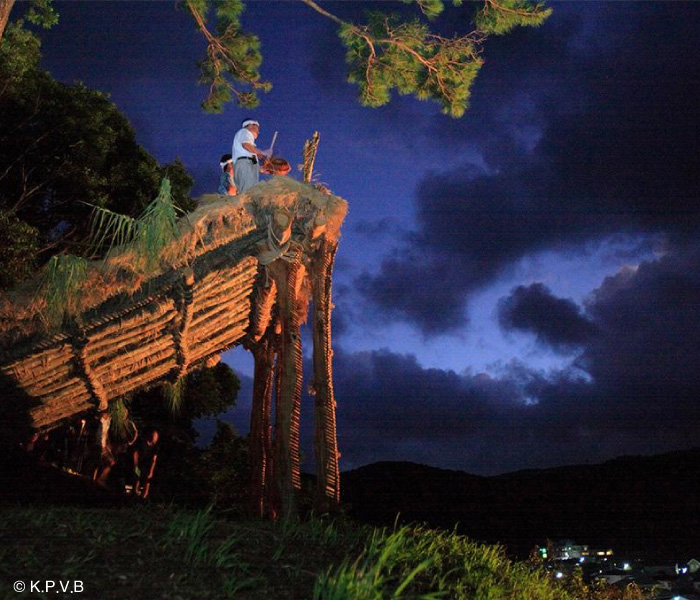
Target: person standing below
[(144, 457), (246, 156)]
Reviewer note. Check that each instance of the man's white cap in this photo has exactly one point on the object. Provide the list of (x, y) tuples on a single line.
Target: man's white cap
[(249, 122)]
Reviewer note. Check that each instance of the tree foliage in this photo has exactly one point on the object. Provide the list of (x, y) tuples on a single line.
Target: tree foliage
[(62, 149), (389, 54), (501, 17), (231, 67), (226, 469), (42, 13), (19, 243), (389, 51)]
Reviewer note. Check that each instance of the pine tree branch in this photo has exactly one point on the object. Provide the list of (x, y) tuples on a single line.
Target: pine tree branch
[(220, 62), (474, 38), (505, 9), (214, 47), (324, 12)]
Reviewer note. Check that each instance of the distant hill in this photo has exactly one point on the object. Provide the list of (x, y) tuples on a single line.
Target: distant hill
[(647, 505)]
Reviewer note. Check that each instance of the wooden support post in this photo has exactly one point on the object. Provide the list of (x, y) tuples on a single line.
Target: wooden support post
[(274, 501), (325, 439), (182, 330), (288, 274), (309, 154), (260, 433), (101, 439), (91, 379)]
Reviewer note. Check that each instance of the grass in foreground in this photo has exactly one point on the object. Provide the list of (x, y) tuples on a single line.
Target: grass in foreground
[(158, 552)]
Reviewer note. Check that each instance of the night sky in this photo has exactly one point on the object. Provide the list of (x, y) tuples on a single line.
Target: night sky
[(518, 288)]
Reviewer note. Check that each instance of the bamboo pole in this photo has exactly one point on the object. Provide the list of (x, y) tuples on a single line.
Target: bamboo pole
[(205, 330), (128, 363), (200, 309), (309, 154), (225, 340), (274, 500), (219, 308), (206, 342), (37, 360), (44, 373), (222, 287), (325, 437), (222, 277), (42, 385), (286, 451), (46, 414), (126, 323), (222, 319), (142, 377), (59, 388), (260, 442), (40, 363), (122, 338), (264, 298)]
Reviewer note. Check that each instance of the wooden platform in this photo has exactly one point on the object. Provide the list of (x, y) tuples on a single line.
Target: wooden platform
[(133, 330)]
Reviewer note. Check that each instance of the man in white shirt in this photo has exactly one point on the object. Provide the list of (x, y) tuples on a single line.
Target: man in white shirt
[(246, 156)]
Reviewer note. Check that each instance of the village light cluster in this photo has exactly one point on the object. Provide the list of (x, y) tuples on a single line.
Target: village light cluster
[(679, 578)]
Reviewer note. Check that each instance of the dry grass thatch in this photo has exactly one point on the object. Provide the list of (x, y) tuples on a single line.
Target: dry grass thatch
[(218, 221)]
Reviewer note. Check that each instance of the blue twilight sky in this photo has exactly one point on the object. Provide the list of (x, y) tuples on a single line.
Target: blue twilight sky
[(517, 288)]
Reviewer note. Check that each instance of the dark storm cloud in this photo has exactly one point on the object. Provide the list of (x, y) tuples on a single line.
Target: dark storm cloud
[(556, 322), (587, 127), (408, 287), (649, 328), (632, 390), (390, 408)]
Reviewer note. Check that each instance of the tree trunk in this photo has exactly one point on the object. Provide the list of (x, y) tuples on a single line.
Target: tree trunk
[(5, 10), (325, 440)]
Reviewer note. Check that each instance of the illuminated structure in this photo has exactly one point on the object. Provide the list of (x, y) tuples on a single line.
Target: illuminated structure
[(240, 271)]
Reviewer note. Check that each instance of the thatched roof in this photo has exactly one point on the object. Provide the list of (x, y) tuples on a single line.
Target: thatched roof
[(132, 327)]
